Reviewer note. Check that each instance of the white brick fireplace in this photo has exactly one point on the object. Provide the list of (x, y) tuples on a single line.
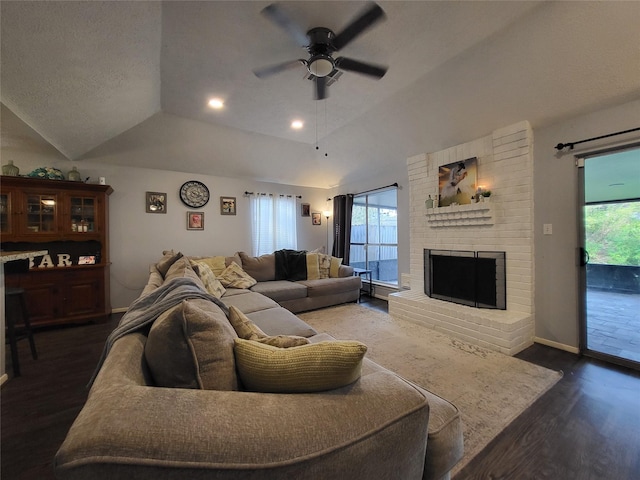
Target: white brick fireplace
[(505, 166)]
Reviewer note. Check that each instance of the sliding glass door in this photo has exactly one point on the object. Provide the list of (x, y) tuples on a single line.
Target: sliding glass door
[(610, 256), (374, 235)]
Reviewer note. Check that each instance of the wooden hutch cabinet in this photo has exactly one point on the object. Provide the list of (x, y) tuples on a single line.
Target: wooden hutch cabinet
[(71, 221)]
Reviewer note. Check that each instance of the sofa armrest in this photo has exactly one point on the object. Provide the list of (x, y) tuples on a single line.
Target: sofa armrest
[(131, 428), (345, 271)]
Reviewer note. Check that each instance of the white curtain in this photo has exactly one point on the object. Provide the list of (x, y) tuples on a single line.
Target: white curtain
[(273, 223)]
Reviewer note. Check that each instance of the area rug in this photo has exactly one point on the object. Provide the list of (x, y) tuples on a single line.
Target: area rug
[(489, 388)]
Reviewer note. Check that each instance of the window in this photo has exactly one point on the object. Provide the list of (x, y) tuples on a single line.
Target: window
[(374, 235), (273, 223)]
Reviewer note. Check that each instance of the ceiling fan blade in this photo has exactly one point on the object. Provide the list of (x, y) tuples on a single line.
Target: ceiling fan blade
[(370, 15), (278, 16), (269, 70), (321, 88), (370, 69)]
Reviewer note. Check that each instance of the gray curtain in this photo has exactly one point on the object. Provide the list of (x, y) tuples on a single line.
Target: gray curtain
[(342, 205)]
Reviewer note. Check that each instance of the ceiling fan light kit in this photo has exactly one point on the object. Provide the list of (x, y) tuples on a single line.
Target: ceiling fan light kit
[(321, 43)]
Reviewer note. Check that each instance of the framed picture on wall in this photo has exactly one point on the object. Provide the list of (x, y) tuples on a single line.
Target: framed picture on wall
[(227, 205), (316, 218), (156, 202), (457, 182), (305, 210), (195, 220)]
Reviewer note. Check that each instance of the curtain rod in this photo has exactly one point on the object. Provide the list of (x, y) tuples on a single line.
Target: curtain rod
[(248, 194), (560, 146), (379, 188)]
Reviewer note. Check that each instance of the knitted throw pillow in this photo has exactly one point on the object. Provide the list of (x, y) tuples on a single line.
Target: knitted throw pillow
[(309, 368)]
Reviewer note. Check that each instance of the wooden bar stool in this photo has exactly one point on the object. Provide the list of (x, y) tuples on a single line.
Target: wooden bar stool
[(18, 325)]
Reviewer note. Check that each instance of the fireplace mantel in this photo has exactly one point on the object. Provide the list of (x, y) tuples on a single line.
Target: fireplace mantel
[(475, 214)]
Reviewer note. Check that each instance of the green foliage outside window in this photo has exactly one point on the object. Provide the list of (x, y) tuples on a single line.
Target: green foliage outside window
[(613, 233)]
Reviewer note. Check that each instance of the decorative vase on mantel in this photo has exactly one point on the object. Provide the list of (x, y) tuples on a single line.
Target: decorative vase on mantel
[(73, 175), (10, 170), (428, 203)]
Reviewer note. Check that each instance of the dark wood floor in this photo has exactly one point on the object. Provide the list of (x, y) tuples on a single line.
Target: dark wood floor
[(585, 427)]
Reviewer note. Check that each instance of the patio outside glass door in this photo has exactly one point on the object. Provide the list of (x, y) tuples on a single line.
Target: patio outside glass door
[(610, 256)]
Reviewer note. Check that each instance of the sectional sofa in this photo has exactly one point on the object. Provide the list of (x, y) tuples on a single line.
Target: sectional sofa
[(185, 392)]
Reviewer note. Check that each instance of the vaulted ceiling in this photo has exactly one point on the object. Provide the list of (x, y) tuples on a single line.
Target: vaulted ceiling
[(128, 83)]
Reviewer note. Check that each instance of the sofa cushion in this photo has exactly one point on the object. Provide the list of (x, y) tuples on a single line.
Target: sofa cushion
[(331, 286), (248, 330), (262, 268), (218, 263), (280, 290), (280, 321), (233, 276), (167, 260), (182, 269), (211, 283), (249, 302), (191, 346), (308, 368)]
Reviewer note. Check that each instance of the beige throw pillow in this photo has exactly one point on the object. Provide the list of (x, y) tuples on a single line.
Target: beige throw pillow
[(335, 267), (234, 277), (309, 368), (248, 330), (313, 268), (324, 265), (211, 283), (216, 264)]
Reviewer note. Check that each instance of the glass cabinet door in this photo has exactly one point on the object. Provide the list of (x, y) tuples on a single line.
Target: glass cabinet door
[(5, 211), (83, 214), (41, 213)]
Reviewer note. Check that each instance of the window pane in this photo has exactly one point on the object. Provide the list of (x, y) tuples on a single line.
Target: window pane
[(358, 223), (356, 256), (383, 263)]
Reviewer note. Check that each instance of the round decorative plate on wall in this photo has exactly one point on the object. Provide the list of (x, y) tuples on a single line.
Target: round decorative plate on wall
[(194, 194)]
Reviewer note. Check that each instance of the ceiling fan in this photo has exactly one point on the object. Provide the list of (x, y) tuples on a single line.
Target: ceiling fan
[(321, 43)]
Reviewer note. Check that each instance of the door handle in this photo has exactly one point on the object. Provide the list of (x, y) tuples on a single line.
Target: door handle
[(584, 257)]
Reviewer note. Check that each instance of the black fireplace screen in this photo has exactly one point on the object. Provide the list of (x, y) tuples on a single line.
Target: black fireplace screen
[(476, 279)]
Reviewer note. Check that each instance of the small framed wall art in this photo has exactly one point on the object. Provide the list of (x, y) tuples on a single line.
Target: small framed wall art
[(227, 205), (305, 210), (195, 220), (156, 202), (316, 218)]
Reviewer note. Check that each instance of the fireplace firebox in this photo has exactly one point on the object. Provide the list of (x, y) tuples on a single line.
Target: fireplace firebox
[(476, 279)]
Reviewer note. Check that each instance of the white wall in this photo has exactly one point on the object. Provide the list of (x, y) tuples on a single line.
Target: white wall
[(556, 202), (137, 238)]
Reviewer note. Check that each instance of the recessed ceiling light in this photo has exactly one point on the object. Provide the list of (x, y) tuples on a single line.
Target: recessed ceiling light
[(297, 124), (216, 103)]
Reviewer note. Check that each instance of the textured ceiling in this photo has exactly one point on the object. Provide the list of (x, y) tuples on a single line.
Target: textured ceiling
[(127, 82)]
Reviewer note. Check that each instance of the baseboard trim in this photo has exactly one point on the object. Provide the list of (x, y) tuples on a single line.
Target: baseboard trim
[(559, 346), (119, 310), (4, 378)]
